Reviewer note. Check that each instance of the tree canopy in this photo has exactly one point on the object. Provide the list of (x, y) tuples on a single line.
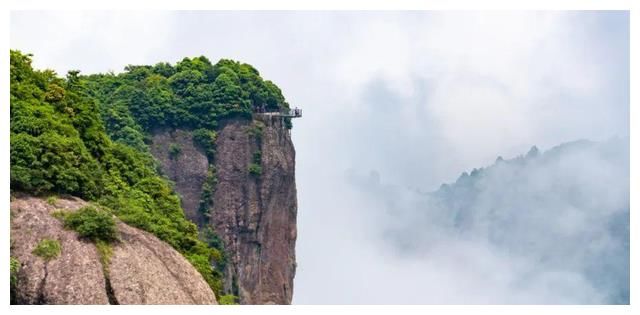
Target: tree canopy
[(192, 94)]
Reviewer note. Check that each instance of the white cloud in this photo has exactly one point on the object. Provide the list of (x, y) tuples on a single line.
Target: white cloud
[(93, 41)]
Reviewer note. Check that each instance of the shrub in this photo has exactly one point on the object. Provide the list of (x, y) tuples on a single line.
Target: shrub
[(48, 249), (105, 250), (211, 238), (205, 139), (208, 188), (228, 299), (14, 268), (174, 151), (59, 214), (212, 277), (13, 278), (257, 157), (256, 130), (92, 224), (255, 169), (51, 200)]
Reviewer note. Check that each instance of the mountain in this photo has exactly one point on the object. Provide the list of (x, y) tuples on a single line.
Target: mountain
[(549, 228), (178, 151)]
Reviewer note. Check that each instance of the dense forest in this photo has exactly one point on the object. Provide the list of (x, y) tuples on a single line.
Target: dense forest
[(87, 136), (193, 94)]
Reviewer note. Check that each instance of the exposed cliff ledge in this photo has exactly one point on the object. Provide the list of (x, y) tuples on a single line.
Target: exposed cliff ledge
[(253, 213), (142, 269)]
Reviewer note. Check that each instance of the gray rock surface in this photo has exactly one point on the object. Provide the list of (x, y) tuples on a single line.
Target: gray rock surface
[(188, 170), (142, 269), (255, 216)]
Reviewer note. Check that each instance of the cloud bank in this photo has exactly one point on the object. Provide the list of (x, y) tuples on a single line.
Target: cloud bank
[(550, 228)]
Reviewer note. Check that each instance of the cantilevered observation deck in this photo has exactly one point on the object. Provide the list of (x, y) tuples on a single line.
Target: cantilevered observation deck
[(291, 113)]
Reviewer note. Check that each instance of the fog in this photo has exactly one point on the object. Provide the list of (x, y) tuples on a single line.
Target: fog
[(395, 104), (551, 228)]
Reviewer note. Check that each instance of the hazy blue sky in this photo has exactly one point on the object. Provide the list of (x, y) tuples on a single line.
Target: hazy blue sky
[(417, 97)]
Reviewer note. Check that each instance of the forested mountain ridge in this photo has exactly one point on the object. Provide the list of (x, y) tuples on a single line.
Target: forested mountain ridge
[(89, 136), (544, 227), (565, 210)]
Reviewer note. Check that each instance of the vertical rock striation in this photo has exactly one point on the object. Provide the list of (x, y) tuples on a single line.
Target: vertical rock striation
[(254, 213), (187, 168)]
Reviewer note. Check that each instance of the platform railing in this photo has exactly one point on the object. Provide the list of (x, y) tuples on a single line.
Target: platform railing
[(293, 113)]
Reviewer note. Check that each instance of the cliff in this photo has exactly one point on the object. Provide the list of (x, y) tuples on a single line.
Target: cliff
[(188, 170), (253, 205), (93, 137), (140, 269)]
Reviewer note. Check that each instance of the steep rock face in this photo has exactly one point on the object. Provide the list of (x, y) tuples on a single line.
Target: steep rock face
[(255, 215), (187, 169), (142, 269)]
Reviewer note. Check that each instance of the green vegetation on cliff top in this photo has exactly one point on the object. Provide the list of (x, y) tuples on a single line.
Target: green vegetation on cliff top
[(192, 94)]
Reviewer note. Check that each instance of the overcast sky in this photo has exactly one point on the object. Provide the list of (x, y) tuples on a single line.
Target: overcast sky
[(416, 97)]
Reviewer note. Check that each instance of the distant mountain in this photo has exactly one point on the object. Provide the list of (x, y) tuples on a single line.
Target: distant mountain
[(556, 223)]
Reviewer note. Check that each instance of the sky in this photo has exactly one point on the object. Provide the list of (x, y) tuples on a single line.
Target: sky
[(412, 99)]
